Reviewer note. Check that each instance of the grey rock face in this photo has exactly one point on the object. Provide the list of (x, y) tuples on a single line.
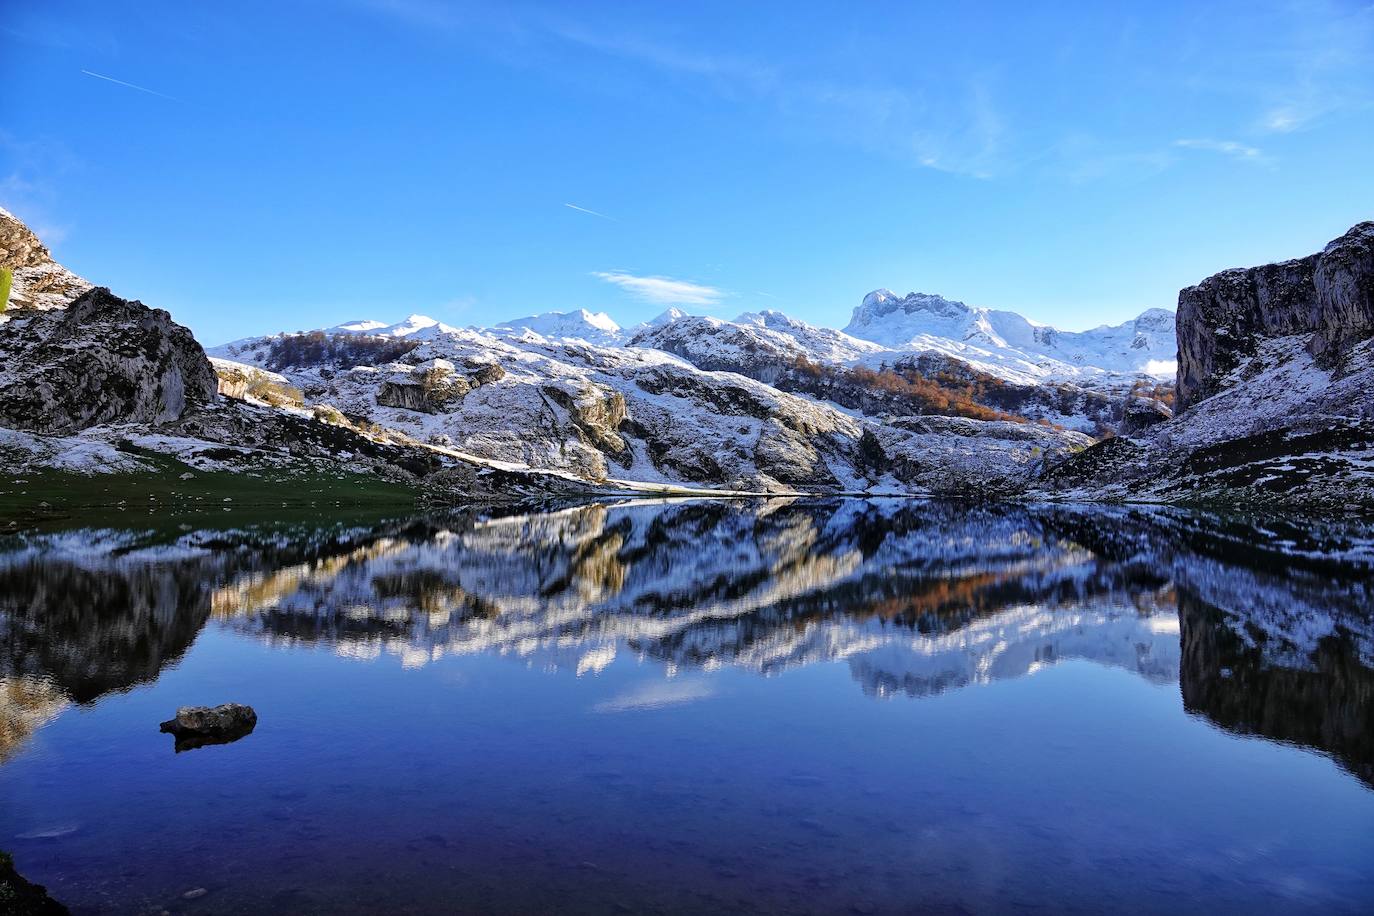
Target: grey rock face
[(1223, 320), (1275, 389), (101, 359), (434, 386), (1344, 279)]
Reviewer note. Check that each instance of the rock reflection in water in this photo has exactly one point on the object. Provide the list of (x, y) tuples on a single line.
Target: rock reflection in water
[(916, 597)]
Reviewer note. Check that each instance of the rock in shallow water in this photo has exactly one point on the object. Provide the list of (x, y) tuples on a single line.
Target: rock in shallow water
[(22, 898), (197, 726)]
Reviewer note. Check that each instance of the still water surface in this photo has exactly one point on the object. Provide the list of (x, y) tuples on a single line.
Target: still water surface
[(842, 706)]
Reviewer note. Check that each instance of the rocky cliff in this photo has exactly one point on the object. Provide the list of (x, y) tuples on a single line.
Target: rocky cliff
[(1224, 321), (101, 359), (1275, 392)]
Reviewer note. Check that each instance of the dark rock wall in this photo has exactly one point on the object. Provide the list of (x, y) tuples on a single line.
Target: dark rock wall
[(1223, 319)]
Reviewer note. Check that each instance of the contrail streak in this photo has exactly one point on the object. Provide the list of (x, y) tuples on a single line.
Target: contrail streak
[(592, 212), (111, 79)]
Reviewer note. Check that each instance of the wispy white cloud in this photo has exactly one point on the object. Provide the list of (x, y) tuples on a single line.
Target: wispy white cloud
[(959, 132), (663, 290), (1282, 120), (592, 212), (111, 79), (1322, 66), (1226, 147)]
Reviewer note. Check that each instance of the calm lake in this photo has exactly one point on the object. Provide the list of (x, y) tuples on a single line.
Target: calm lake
[(782, 706)]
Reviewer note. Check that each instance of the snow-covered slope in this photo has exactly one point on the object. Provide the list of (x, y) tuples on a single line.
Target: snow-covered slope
[(1008, 344), (419, 327), (593, 327), (662, 318), (760, 345), (641, 414), (414, 328)]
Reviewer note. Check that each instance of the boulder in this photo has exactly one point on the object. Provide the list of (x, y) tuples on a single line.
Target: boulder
[(102, 359), (196, 726)]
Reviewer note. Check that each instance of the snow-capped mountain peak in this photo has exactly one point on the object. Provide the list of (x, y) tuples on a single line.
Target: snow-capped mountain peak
[(661, 320), (362, 326), (421, 327), (579, 324), (882, 302), (1001, 341)]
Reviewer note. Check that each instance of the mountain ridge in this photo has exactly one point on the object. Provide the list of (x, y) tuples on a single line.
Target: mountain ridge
[(762, 404)]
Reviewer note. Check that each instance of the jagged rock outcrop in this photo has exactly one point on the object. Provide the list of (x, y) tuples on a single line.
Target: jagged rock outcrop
[(101, 359), (1275, 392), (433, 386), (1224, 320), (239, 381), (39, 281), (597, 414)]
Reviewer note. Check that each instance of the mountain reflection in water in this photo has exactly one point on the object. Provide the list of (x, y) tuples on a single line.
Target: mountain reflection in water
[(1266, 627)]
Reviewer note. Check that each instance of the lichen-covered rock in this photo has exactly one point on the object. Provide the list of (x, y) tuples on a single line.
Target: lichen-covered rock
[(102, 359)]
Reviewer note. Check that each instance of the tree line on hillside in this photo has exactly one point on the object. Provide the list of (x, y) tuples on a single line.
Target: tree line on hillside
[(905, 391), (316, 348), (939, 385)]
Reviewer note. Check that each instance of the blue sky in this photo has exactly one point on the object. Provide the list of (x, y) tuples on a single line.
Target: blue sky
[(262, 166)]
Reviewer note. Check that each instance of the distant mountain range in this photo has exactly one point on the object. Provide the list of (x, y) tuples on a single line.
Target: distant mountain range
[(918, 395), (884, 327)]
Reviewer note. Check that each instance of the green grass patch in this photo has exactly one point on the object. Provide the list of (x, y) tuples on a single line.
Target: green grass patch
[(6, 281), (160, 498)]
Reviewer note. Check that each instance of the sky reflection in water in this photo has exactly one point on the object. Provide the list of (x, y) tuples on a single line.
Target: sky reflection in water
[(775, 706)]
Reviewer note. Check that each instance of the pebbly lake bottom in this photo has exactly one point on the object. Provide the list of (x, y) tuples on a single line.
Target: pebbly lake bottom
[(782, 706)]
